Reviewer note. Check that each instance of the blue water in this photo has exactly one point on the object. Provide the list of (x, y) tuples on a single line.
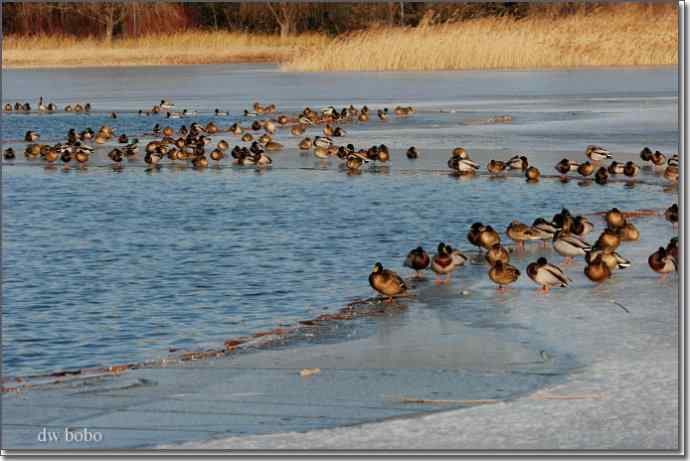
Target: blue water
[(104, 266)]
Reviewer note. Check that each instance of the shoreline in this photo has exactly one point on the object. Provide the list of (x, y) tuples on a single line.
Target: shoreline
[(278, 63)]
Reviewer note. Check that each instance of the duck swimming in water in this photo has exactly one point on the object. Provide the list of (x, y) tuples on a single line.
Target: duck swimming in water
[(585, 169), (597, 153), (602, 176), (631, 169), (386, 282), (496, 167), (566, 166), (518, 162), (463, 166), (532, 174), (412, 153)]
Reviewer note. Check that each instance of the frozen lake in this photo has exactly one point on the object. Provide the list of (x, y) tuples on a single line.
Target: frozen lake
[(104, 267)]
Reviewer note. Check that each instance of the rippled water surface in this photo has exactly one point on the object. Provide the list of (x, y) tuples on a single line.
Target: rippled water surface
[(103, 266)]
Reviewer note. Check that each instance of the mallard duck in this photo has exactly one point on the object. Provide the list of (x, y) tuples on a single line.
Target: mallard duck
[(363, 117), (520, 232), (631, 169), (461, 153), (383, 114), (672, 173), (503, 274), (81, 156), (597, 153), (412, 153), (273, 146), (547, 275), (445, 261), (565, 166), (518, 162), (262, 160), (628, 232), (270, 127), (305, 144), (7, 107), (488, 237), (355, 161), (382, 153), (152, 158), (569, 246), (613, 260), (32, 151), (8, 154), (116, 155), (474, 234), (581, 226), (463, 166), (545, 229), (199, 161), (615, 218), (646, 154), (386, 282), (496, 167), (609, 239), (217, 155), (674, 161), (497, 253), (418, 260), (563, 220), (223, 145), (50, 155), (220, 113), (616, 168), (597, 270), (672, 247), (532, 174), (321, 153), (31, 136), (585, 169), (602, 176), (323, 141), (663, 263), (658, 159), (671, 214), (247, 137)]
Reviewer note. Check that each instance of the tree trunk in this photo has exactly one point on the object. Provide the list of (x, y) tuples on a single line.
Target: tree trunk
[(109, 24)]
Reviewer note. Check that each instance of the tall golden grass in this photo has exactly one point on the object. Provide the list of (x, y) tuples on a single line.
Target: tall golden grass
[(612, 35), (180, 48)]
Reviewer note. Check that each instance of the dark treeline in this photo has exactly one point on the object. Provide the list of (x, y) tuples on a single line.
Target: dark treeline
[(114, 20)]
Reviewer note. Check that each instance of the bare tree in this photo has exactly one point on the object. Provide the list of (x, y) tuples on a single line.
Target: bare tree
[(285, 15)]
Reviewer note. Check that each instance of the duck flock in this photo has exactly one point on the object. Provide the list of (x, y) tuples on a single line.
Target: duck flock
[(194, 145)]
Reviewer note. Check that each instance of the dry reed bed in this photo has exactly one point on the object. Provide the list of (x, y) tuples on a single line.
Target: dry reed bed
[(616, 35), (181, 48)]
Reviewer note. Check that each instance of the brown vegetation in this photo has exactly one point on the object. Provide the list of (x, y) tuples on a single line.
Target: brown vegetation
[(342, 36), (615, 35), (181, 48)]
